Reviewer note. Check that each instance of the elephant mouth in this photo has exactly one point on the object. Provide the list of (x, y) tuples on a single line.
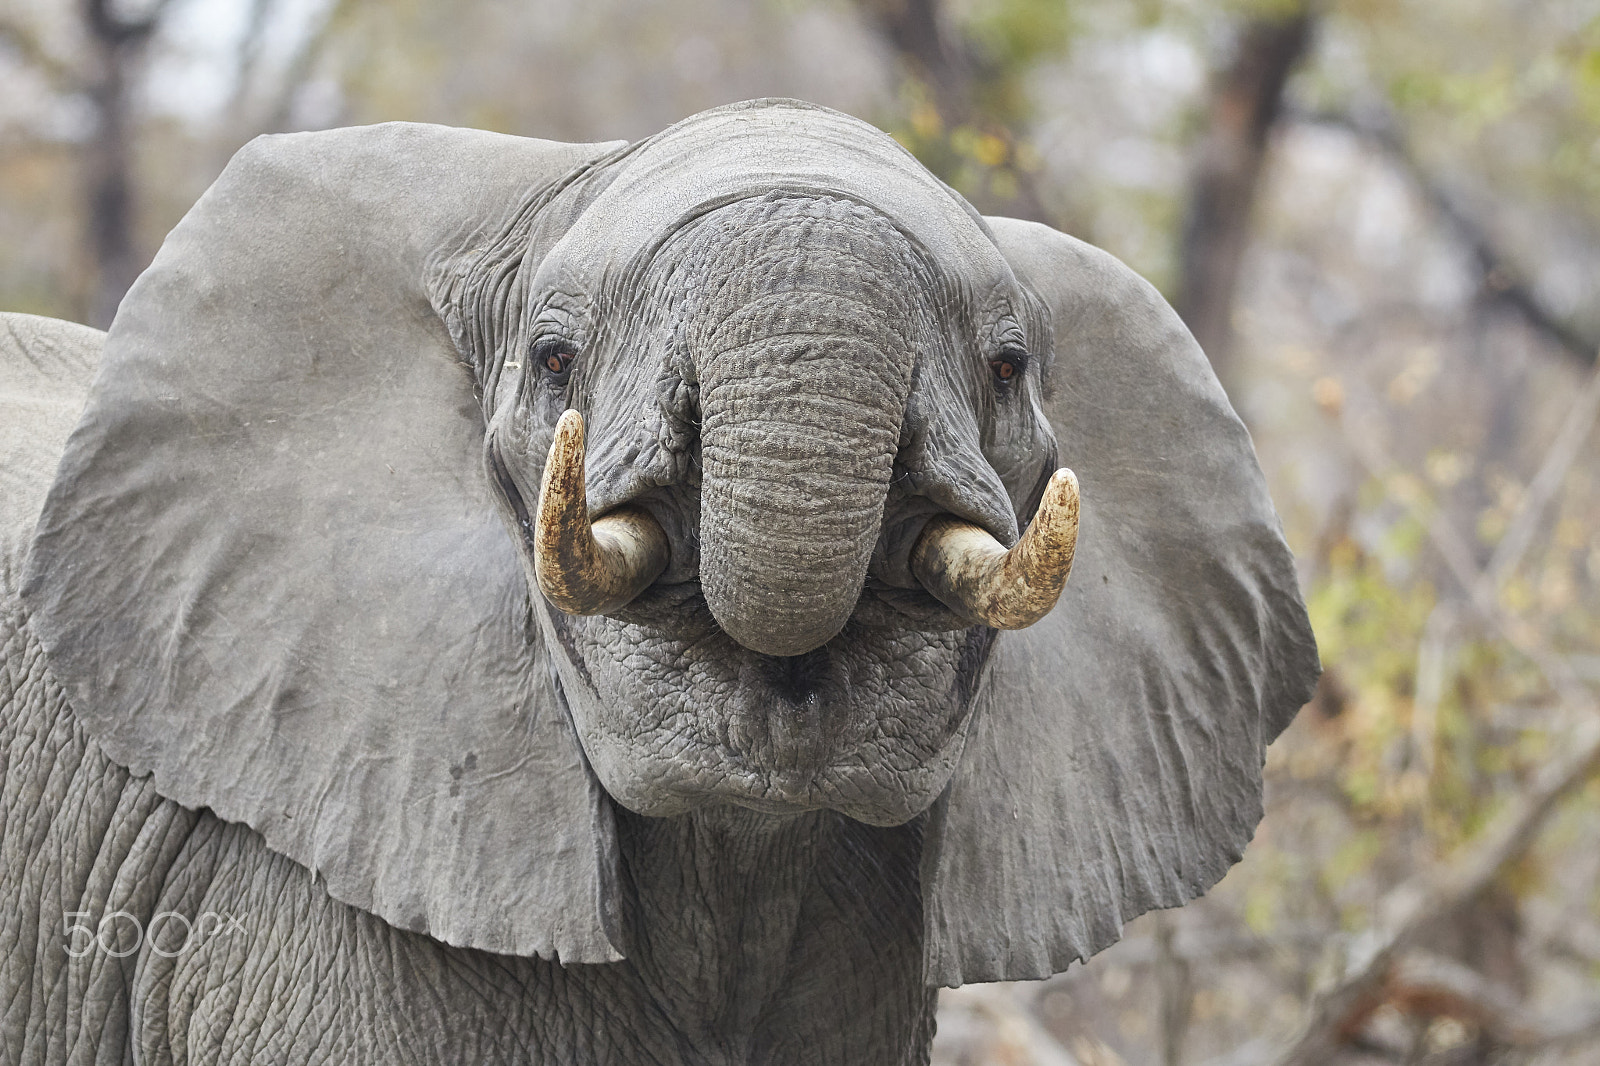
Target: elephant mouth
[(675, 713)]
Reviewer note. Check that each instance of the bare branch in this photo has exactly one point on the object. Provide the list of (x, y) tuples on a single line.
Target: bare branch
[(1430, 984), (1501, 279), (1433, 657), (1193, 948), (1578, 940), (1339, 1011), (108, 156), (1508, 555), (1542, 489), (247, 55), (1481, 588), (917, 31), (61, 74)]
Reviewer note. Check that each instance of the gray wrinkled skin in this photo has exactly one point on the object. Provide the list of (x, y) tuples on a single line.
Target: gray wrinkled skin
[(724, 914), (720, 975), (269, 664), (788, 330)]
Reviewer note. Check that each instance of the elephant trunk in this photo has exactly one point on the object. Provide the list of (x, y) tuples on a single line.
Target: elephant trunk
[(798, 441)]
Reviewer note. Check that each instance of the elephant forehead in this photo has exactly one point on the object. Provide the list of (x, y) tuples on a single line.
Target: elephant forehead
[(746, 257), (730, 154)]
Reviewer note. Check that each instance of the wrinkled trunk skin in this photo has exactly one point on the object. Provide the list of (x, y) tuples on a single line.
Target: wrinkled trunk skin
[(804, 374), (795, 474)]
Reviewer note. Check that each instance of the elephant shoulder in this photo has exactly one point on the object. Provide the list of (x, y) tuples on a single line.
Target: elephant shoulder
[(45, 369)]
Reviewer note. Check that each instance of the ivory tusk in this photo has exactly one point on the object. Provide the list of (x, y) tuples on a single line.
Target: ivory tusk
[(584, 567), (970, 572)]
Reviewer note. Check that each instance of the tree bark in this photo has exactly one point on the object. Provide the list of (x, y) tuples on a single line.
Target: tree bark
[(118, 45), (1175, 986), (1245, 104), (916, 30)]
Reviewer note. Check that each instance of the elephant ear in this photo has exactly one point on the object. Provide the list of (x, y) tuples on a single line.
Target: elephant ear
[(271, 572), (1114, 760)]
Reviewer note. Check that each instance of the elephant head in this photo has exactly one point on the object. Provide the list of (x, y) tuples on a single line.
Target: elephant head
[(326, 555)]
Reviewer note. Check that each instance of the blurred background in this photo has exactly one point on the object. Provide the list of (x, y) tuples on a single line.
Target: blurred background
[(1382, 220)]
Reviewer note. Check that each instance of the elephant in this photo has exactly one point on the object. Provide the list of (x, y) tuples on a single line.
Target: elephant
[(360, 703)]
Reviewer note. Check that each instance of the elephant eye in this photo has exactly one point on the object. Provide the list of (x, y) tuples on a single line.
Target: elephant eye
[(555, 360), (1008, 365)]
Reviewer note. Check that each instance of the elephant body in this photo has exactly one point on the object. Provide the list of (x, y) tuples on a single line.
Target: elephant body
[(285, 974), (801, 953), (307, 757)]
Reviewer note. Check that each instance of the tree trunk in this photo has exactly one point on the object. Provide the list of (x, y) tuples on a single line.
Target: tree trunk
[(916, 31), (1246, 100), (108, 157), (108, 187)]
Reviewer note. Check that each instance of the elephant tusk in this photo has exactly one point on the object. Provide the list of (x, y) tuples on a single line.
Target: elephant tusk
[(585, 568), (970, 572)]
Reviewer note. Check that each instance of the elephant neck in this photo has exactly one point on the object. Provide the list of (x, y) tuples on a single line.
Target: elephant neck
[(748, 928)]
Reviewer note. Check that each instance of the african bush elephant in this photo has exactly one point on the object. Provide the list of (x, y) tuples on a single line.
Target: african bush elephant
[(297, 768)]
